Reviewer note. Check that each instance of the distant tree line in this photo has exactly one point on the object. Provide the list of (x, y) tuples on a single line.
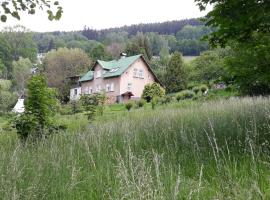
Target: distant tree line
[(164, 28)]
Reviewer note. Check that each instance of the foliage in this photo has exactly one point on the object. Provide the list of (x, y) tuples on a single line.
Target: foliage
[(249, 65), (7, 100), (140, 103), (175, 76), (59, 65), (152, 90), (196, 89), (40, 106), (129, 105), (18, 7), (21, 42), (93, 104), (21, 72), (139, 45), (209, 66), (154, 102), (236, 20), (99, 53), (165, 100), (185, 94), (203, 88)]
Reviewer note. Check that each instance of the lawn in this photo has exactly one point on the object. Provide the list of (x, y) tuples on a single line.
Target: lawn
[(189, 150)]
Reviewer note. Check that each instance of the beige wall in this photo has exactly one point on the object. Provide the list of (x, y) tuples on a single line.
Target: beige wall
[(137, 84), (121, 83)]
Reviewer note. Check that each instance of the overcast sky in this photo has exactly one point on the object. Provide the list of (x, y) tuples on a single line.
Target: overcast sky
[(99, 14)]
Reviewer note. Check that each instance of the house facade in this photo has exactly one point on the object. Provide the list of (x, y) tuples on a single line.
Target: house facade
[(121, 80)]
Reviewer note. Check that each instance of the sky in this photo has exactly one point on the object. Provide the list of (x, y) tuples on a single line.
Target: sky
[(100, 14)]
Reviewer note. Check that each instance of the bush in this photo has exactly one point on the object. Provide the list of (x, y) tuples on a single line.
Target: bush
[(185, 94), (196, 89), (40, 106), (152, 90), (203, 88), (154, 102), (129, 105), (140, 103), (165, 100)]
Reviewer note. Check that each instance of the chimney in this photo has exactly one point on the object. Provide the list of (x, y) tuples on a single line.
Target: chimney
[(123, 55)]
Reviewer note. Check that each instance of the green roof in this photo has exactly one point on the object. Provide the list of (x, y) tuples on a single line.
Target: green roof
[(112, 68), (87, 77), (117, 67)]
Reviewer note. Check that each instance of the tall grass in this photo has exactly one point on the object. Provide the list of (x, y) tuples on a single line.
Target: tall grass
[(216, 150)]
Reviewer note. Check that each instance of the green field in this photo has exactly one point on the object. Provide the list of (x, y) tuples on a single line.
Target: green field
[(189, 150)]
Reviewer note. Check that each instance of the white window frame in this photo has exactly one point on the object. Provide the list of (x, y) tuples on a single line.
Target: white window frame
[(112, 87), (129, 86), (135, 72), (141, 73), (108, 87)]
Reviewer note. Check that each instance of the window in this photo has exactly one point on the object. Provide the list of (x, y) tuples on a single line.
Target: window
[(98, 88), (112, 87), (99, 73), (129, 87), (114, 69), (90, 90), (75, 91), (140, 73), (108, 87), (135, 72), (86, 90)]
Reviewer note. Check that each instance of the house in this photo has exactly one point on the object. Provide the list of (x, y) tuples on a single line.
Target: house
[(121, 79)]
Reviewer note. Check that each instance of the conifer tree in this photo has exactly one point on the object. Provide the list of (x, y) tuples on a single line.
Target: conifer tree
[(175, 76)]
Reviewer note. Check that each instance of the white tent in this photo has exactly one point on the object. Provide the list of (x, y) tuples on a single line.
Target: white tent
[(19, 107)]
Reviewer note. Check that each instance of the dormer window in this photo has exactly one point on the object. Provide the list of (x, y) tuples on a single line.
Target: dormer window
[(114, 69)]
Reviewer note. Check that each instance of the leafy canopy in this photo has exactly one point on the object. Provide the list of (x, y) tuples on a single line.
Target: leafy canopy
[(236, 19), (16, 7)]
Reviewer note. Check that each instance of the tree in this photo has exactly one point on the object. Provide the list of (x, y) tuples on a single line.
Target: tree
[(175, 76), (249, 65), (7, 98), (99, 53), (93, 104), (60, 64), (236, 20), (244, 25), (152, 91), (21, 42), (40, 106), (139, 45), (21, 72), (17, 7), (6, 58), (209, 66)]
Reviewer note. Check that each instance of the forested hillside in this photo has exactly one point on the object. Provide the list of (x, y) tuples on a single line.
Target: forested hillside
[(182, 35)]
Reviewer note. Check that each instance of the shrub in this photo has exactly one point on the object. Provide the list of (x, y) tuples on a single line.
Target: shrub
[(154, 102), (203, 88), (196, 89), (128, 105), (165, 100), (40, 106), (185, 94), (152, 90), (140, 103)]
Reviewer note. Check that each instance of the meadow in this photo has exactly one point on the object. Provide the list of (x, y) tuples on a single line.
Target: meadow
[(190, 150)]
